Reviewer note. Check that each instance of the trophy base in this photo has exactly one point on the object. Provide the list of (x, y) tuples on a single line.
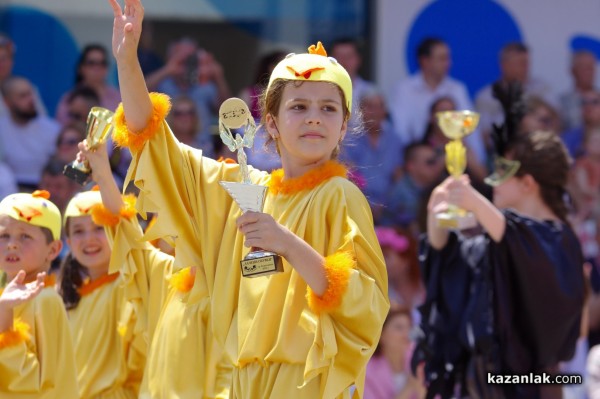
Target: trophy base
[(76, 174), (456, 222), (261, 263)]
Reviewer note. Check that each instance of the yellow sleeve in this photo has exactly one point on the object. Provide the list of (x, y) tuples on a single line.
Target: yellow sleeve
[(182, 187), (350, 314), (38, 361)]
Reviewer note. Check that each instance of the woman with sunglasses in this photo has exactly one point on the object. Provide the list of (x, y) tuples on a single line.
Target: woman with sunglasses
[(91, 71)]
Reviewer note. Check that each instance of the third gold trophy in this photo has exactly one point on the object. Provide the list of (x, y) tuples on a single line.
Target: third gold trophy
[(98, 129), (456, 125), (234, 114)]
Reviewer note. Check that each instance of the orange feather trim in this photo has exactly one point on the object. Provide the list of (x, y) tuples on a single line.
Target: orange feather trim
[(337, 270), (123, 137), (89, 287), (308, 181), (103, 217), (19, 333), (183, 280)]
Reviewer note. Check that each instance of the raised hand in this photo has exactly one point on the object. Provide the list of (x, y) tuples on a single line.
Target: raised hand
[(462, 194), (18, 292), (127, 28), (97, 157)]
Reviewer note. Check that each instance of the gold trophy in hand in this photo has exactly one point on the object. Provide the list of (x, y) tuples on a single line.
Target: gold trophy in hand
[(234, 114), (456, 125), (99, 127)]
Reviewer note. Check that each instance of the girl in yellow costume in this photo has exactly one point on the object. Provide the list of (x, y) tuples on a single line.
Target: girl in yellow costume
[(36, 349), (110, 358), (307, 332), (182, 361)]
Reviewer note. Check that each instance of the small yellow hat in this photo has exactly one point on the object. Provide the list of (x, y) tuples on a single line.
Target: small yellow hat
[(82, 203), (315, 67), (35, 209)]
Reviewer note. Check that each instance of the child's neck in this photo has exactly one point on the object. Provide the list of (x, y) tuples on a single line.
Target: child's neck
[(292, 170), (535, 208)]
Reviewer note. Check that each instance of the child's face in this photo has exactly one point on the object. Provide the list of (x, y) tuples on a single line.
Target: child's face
[(310, 123), (395, 336), (24, 247), (88, 243)]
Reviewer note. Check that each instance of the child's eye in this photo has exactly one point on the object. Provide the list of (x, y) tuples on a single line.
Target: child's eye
[(99, 228), (3, 236), (25, 236), (329, 108), (298, 107)]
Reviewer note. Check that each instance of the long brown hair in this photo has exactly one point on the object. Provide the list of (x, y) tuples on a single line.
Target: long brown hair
[(544, 157), (71, 276)]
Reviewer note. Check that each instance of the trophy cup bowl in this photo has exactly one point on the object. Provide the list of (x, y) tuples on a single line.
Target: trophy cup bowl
[(456, 125), (234, 114), (99, 127)]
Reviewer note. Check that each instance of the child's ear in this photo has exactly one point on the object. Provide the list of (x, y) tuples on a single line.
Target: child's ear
[(54, 249), (344, 130), (529, 183), (271, 126)]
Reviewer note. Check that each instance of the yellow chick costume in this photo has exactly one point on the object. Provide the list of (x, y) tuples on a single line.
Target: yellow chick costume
[(284, 341), (36, 356), (110, 358), (183, 361)]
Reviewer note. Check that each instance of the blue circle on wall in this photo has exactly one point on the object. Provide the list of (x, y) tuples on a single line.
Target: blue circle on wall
[(45, 51), (475, 31)]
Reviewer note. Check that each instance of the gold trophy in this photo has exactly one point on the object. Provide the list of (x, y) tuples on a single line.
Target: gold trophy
[(456, 125), (99, 127), (234, 114)]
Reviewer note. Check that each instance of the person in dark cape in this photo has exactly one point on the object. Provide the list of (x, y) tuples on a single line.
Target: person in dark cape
[(506, 299)]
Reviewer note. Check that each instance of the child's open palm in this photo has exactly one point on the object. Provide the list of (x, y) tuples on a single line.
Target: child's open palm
[(18, 292), (127, 28)]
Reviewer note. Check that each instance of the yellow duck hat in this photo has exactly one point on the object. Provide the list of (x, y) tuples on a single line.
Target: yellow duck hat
[(82, 203), (315, 66), (35, 209)]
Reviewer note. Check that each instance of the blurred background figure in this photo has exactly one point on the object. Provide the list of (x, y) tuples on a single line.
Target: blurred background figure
[(79, 103), (185, 124), (540, 115), (66, 143), (388, 373), (7, 62), (583, 72), (27, 138), (91, 71), (575, 138)]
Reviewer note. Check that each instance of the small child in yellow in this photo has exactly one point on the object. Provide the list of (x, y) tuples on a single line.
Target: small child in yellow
[(36, 352), (110, 358)]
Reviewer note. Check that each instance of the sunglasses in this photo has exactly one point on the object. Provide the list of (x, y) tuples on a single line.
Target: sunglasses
[(76, 116), (69, 142), (102, 63), (184, 112), (592, 101)]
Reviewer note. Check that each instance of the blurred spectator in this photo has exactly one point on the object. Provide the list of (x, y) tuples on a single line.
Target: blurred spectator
[(404, 276), (79, 103), (60, 187), (252, 93), (91, 71), (377, 153), (66, 142), (583, 70), (194, 73), (184, 122), (590, 115), (540, 115), (422, 169), (347, 52), (413, 97), (388, 375), (436, 138), (514, 67), (149, 60), (28, 138), (7, 54), (8, 183)]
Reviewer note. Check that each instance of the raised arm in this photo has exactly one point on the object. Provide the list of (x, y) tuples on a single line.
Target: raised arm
[(127, 28)]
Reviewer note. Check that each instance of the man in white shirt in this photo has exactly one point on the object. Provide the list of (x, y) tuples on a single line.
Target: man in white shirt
[(28, 139), (413, 96), (514, 67)]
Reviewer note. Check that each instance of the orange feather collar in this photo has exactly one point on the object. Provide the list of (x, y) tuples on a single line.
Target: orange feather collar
[(90, 286), (308, 181)]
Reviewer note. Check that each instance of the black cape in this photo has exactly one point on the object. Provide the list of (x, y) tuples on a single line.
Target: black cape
[(511, 307)]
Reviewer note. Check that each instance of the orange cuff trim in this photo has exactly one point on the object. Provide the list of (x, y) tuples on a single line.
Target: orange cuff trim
[(183, 280), (18, 334), (123, 137), (337, 270), (103, 217)]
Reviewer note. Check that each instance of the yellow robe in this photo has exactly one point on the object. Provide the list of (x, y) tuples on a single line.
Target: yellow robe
[(40, 364), (110, 358), (179, 365), (281, 347)]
